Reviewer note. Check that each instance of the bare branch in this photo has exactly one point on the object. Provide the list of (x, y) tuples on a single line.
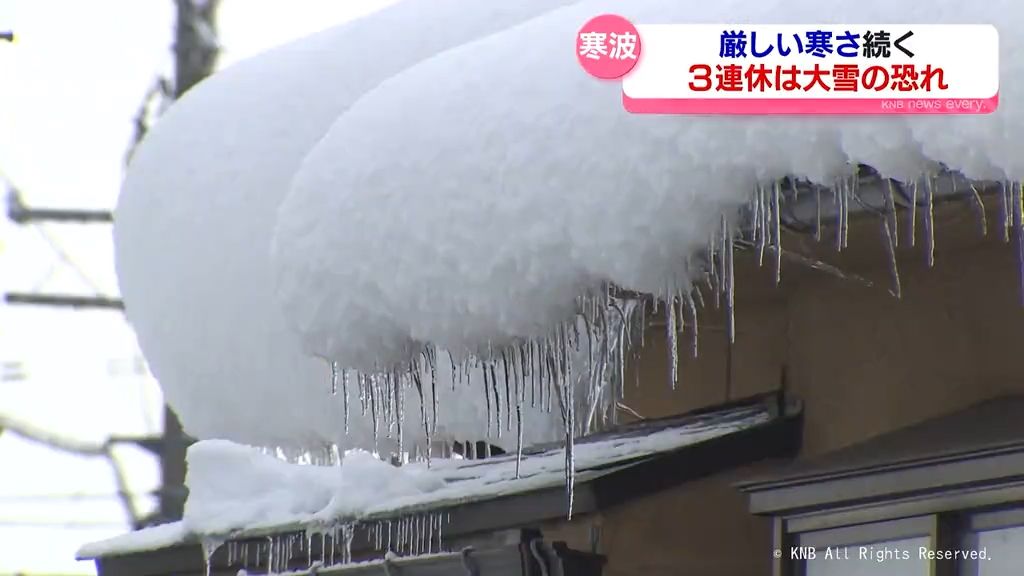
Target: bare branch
[(72, 446), (158, 94), (49, 439)]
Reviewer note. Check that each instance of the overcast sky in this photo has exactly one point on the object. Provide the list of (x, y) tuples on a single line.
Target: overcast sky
[(69, 89)]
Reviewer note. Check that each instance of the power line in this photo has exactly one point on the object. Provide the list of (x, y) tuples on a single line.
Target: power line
[(64, 301), (71, 496), (70, 524), (196, 50)]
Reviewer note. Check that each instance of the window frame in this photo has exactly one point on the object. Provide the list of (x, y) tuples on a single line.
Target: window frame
[(947, 530)]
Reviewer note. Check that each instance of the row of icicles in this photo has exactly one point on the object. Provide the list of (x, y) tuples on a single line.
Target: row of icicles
[(409, 536), (540, 372)]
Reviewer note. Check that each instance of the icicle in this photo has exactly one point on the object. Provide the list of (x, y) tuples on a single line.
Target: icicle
[(1018, 226), (712, 277), (570, 448), (373, 411), (344, 392), (418, 382), (776, 233), (391, 546), (837, 201), (671, 342), (422, 531), (521, 372), (643, 322), (893, 268), (730, 280), (767, 218), (552, 374), (384, 389), (309, 548), (817, 214), (430, 533), (981, 210), (334, 378), (755, 215), (691, 307), (414, 536), (929, 222), (1005, 211), (209, 546), (890, 200), (451, 359), (913, 215), (432, 362), (621, 376), (441, 519), (847, 194), (399, 417), (350, 533), (411, 535), (487, 397), (519, 437), (508, 390), (533, 374), (402, 535), (541, 369), (364, 396), (270, 555), (760, 232)]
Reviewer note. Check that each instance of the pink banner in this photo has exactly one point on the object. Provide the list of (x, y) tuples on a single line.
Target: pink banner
[(825, 106)]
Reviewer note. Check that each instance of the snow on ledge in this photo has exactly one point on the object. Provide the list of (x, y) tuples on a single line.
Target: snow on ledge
[(238, 492), (145, 540)]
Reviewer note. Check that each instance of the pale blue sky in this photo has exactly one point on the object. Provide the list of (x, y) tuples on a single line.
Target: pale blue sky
[(68, 91)]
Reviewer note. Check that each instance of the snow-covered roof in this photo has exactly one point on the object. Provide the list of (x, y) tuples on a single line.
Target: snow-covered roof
[(269, 229), (457, 484)]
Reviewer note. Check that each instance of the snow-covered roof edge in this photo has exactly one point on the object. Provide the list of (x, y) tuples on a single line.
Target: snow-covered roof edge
[(474, 482)]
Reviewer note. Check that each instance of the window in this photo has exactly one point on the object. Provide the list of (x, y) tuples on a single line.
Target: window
[(985, 542), (882, 549), (1000, 536), (891, 558), (944, 497)]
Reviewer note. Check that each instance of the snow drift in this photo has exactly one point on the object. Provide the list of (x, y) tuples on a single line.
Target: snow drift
[(477, 213), (232, 487), (196, 213)]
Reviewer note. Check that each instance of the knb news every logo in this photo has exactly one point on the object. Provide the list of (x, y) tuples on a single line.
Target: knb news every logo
[(703, 69)]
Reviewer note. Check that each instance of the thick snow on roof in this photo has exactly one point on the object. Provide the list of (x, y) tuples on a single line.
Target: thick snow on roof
[(195, 217), (153, 538), (467, 191), (478, 211), (237, 490)]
